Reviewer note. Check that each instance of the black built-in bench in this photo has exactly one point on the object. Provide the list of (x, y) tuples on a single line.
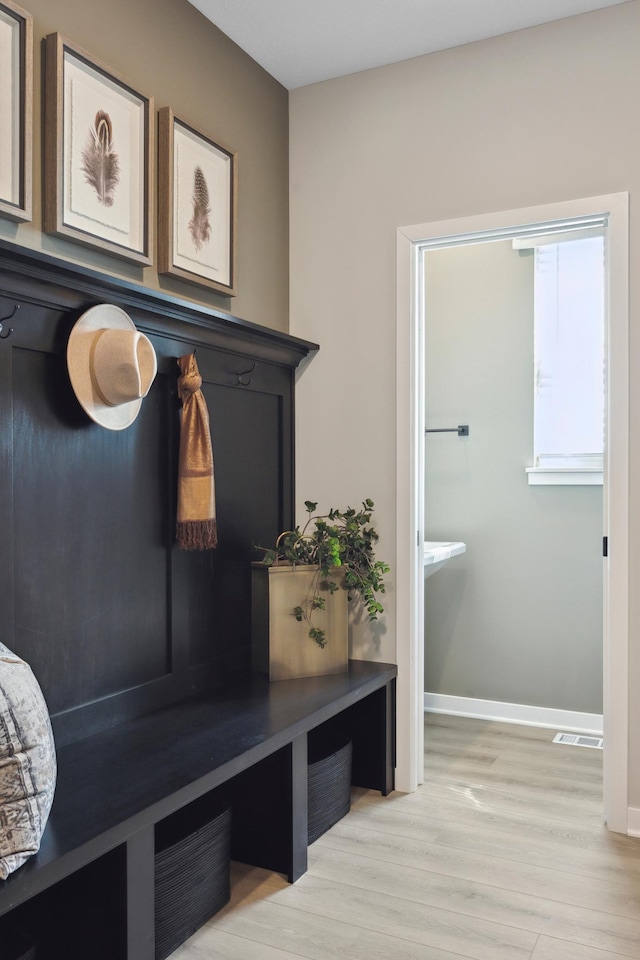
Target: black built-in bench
[(89, 892)]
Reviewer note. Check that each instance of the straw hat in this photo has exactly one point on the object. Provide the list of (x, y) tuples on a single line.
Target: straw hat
[(111, 366)]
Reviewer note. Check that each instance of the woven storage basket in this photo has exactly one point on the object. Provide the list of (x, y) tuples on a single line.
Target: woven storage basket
[(329, 784), (192, 871)]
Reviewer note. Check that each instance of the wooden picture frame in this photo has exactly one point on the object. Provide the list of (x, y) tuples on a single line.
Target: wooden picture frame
[(16, 111), (98, 161), (197, 200)]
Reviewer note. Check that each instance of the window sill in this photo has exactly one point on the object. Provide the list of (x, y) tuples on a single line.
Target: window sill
[(564, 476)]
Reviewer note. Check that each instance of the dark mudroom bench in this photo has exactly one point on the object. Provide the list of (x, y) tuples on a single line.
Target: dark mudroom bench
[(90, 890), (120, 627)]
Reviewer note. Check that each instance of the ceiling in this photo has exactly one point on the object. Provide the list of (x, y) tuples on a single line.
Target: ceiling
[(303, 41)]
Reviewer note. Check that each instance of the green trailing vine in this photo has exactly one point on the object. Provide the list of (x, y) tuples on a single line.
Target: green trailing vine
[(341, 543)]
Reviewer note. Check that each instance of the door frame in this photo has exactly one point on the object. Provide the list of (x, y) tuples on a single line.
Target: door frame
[(410, 422)]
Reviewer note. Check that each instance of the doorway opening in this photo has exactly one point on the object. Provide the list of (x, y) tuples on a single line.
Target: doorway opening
[(611, 213), (514, 351)]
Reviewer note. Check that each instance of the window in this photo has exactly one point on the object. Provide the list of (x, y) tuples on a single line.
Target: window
[(569, 309)]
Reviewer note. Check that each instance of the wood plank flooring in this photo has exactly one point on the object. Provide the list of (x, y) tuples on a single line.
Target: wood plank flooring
[(500, 855)]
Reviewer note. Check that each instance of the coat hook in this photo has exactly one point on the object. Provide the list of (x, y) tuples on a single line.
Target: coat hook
[(3, 335), (245, 382)]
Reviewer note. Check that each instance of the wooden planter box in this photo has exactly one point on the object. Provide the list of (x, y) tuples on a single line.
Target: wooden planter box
[(281, 645)]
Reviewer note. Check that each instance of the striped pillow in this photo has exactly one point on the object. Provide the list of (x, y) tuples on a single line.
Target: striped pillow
[(27, 763)]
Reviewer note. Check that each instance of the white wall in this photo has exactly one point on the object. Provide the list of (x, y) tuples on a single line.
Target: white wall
[(518, 617), (534, 117)]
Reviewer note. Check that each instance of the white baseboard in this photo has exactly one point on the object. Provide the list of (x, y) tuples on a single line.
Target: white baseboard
[(569, 720), (633, 822)]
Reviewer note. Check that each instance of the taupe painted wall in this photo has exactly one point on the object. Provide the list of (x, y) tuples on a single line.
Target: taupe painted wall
[(518, 618), (534, 117), (168, 50)]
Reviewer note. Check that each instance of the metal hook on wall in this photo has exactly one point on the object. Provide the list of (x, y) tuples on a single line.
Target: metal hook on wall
[(9, 316), (242, 377)]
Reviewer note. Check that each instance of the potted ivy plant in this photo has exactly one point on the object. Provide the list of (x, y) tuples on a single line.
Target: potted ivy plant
[(301, 588)]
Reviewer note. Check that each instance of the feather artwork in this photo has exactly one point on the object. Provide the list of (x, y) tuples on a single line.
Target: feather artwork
[(199, 225), (100, 163)]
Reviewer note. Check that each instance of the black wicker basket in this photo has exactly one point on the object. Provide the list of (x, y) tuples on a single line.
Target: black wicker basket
[(192, 871), (329, 784)]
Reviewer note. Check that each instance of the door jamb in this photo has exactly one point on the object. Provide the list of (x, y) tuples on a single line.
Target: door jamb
[(410, 482)]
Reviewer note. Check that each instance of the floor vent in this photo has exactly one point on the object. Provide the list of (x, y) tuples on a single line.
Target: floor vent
[(578, 740)]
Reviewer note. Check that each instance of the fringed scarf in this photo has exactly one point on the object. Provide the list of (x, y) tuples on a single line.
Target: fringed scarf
[(196, 521)]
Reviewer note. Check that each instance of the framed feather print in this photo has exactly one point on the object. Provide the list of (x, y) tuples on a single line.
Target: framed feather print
[(16, 110), (98, 155), (197, 196)]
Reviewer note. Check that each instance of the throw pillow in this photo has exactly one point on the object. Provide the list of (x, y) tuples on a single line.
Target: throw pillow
[(27, 763)]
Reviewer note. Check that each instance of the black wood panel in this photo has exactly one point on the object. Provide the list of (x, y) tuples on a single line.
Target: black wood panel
[(90, 535), (246, 432), (114, 620), (140, 895), (269, 811)]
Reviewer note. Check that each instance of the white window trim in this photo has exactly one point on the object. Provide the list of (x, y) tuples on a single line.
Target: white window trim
[(564, 476), (572, 470)]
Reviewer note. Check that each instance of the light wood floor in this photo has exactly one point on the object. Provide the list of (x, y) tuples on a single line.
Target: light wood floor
[(501, 855)]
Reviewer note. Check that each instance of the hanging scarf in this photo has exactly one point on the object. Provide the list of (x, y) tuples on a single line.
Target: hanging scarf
[(196, 521)]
